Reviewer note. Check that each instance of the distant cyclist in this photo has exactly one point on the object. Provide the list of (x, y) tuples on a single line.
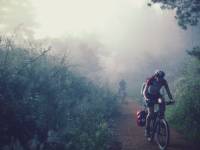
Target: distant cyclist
[(122, 90), (151, 92)]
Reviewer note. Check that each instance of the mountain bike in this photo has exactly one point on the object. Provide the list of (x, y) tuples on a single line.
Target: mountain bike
[(159, 129)]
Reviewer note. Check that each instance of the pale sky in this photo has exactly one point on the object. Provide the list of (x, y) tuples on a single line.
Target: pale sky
[(59, 17)]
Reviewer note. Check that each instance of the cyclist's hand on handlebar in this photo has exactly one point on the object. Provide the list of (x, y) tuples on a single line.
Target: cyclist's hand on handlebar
[(172, 101)]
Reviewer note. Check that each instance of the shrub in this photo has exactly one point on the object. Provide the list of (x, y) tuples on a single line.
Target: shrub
[(185, 115), (42, 100)]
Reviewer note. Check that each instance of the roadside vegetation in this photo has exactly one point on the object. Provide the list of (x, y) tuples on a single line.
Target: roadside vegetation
[(44, 105), (185, 114)]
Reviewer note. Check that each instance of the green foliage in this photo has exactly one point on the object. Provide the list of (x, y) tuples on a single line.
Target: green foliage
[(187, 11), (39, 95), (195, 52), (185, 115)]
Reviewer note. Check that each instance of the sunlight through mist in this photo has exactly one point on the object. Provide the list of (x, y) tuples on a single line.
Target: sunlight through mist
[(58, 17)]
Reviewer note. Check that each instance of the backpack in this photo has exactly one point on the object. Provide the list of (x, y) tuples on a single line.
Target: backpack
[(141, 118)]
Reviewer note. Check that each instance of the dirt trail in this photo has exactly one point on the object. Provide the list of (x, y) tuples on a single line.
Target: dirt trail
[(131, 137)]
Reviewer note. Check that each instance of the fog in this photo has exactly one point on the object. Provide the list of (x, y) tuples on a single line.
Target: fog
[(106, 40)]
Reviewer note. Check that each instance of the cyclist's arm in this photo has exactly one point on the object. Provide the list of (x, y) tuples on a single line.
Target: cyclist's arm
[(146, 86), (142, 89), (168, 91)]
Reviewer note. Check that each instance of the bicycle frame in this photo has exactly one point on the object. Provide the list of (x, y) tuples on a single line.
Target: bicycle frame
[(156, 120)]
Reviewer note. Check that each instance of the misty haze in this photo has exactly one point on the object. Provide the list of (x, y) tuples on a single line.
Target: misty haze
[(72, 71)]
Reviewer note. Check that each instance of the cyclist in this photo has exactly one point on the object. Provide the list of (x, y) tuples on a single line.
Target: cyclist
[(151, 92), (122, 89), (122, 85)]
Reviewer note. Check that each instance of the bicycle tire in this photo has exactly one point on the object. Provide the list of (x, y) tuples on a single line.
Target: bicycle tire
[(162, 125), (152, 124)]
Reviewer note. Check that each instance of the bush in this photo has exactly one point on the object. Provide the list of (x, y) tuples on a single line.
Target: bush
[(42, 100), (185, 115)]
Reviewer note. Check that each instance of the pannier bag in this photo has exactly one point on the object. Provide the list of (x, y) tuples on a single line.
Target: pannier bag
[(141, 118)]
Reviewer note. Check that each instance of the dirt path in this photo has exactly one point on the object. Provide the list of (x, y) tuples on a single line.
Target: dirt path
[(131, 137)]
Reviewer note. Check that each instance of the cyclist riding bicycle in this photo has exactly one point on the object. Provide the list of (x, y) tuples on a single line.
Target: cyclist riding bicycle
[(122, 90), (151, 92)]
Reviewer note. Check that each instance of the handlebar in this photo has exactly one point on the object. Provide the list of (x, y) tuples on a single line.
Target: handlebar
[(169, 102)]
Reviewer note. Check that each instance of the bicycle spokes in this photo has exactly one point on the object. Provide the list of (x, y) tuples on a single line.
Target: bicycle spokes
[(162, 135)]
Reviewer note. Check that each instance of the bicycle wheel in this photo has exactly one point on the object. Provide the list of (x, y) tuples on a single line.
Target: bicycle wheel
[(152, 131), (162, 134)]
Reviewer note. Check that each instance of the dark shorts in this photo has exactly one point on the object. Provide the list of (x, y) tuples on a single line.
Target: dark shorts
[(152, 100)]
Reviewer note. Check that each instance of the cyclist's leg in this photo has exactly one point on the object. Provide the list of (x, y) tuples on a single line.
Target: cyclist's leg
[(162, 106), (150, 109)]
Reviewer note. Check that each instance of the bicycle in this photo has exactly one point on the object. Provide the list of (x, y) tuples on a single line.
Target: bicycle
[(159, 128)]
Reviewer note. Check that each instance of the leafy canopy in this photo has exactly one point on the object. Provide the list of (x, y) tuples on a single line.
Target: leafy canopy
[(187, 11)]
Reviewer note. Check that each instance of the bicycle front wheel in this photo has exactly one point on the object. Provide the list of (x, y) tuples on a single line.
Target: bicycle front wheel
[(162, 134)]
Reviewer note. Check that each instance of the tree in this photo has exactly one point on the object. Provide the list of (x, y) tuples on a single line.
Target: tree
[(187, 11), (195, 52)]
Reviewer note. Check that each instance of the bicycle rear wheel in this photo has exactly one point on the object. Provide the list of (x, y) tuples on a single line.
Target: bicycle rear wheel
[(162, 134)]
